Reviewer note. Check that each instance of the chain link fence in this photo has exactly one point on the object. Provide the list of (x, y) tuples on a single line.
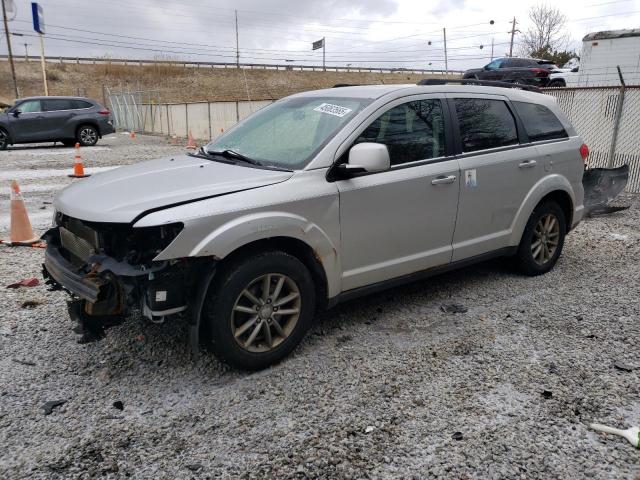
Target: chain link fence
[(607, 118)]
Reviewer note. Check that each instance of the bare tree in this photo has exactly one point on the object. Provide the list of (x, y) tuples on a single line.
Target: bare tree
[(547, 33)]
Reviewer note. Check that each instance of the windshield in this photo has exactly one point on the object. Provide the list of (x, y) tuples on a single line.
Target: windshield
[(288, 133)]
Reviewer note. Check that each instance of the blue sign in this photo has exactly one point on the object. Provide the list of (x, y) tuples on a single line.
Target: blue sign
[(38, 17)]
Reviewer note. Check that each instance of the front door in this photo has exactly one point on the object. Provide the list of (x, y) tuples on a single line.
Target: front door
[(401, 221), (28, 125)]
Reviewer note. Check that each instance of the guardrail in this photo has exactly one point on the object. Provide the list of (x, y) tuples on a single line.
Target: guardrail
[(249, 66)]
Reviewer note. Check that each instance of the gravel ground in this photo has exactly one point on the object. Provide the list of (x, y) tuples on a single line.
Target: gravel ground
[(388, 386)]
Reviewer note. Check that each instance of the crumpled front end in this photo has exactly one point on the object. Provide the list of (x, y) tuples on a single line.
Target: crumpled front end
[(109, 271)]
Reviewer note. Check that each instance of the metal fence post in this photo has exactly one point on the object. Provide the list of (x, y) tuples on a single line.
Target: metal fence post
[(616, 122), (209, 115), (186, 116)]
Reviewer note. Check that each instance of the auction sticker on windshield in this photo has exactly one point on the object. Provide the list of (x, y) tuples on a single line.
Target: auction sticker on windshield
[(336, 110)]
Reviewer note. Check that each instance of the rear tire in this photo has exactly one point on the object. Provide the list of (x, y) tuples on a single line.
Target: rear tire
[(542, 240), (4, 139), (87, 135), (244, 309)]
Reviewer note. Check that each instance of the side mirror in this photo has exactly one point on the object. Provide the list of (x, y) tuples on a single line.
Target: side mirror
[(368, 157), (575, 69), (17, 112)]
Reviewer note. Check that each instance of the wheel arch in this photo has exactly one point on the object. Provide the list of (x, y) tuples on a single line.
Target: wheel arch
[(83, 123), (294, 247), (553, 187)]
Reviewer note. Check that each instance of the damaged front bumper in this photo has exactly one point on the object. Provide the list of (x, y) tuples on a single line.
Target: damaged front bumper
[(105, 290)]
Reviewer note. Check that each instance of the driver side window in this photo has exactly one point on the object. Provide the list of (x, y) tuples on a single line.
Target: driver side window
[(411, 131)]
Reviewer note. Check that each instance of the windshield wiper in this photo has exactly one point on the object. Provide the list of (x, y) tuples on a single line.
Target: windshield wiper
[(233, 155)]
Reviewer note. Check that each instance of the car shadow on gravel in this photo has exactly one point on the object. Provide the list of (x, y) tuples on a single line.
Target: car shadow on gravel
[(428, 294)]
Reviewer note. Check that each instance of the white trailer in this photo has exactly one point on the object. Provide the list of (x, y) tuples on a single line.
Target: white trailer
[(602, 53)]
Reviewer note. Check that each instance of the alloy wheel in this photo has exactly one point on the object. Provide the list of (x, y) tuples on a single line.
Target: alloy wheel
[(546, 236), (88, 136), (266, 312)]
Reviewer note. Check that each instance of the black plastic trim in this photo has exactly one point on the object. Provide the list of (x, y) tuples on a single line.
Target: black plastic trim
[(64, 274)]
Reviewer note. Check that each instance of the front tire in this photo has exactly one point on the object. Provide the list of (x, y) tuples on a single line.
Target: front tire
[(542, 240), (259, 309), (87, 135), (4, 139)]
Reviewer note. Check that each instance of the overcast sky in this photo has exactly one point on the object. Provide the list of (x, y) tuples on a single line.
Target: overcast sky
[(389, 33)]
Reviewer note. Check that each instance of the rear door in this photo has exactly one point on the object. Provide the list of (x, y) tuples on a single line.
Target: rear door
[(28, 124), (498, 168), (401, 221), (58, 115)]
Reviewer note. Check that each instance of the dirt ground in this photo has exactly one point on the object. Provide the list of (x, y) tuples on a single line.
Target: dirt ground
[(178, 84), (387, 386)]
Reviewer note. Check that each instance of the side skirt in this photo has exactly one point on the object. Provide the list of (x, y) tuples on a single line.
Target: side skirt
[(416, 276)]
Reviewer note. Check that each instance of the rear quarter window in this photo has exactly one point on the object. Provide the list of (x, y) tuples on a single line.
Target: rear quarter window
[(540, 123), (78, 104)]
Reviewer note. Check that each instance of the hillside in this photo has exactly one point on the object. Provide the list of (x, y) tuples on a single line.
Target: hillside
[(181, 84)]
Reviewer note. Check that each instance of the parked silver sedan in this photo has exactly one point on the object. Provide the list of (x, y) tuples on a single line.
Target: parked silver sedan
[(320, 197)]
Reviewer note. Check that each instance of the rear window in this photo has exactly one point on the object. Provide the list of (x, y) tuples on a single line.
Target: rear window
[(485, 124), (77, 104), (540, 123)]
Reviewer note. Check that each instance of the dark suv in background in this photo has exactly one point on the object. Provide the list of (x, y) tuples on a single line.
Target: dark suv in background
[(529, 71), (50, 119)]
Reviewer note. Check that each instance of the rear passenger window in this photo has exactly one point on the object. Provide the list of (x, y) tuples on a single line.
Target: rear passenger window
[(78, 104), (411, 131), (57, 104), (540, 123), (485, 124)]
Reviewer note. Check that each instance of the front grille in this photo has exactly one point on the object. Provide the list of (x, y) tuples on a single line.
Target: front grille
[(76, 246)]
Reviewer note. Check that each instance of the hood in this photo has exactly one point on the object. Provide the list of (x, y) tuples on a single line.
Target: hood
[(122, 194)]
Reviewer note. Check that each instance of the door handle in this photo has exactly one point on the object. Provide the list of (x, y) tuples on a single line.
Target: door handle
[(443, 180), (528, 164)]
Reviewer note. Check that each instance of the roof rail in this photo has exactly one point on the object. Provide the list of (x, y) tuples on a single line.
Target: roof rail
[(340, 85), (473, 81)]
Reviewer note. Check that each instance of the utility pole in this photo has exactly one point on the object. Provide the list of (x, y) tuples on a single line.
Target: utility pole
[(513, 32), (492, 49), (237, 43), (6, 32), (26, 52), (446, 60)]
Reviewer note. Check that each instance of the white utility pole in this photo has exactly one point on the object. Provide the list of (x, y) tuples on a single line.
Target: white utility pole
[(44, 68), (446, 60), (492, 49)]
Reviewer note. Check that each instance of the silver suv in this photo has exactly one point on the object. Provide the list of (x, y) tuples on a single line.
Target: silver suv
[(320, 197)]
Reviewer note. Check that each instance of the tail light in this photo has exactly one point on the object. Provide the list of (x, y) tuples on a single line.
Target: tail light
[(540, 72), (104, 112), (584, 152)]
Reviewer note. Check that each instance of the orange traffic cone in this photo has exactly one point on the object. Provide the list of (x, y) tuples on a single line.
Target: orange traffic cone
[(132, 135), (191, 145), (78, 168), (21, 231)]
